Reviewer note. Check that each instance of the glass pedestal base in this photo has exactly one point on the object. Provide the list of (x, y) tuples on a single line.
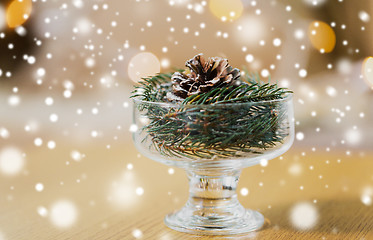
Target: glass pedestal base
[(213, 208), (248, 221)]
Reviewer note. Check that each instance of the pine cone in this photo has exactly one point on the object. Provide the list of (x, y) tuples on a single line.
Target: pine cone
[(201, 77)]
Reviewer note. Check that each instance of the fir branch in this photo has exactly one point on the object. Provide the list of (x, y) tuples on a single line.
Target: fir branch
[(190, 130)]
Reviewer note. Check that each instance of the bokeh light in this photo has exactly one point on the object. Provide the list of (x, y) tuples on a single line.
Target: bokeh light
[(2, 18), (14, 100), (331, 91), (366, 199), (76, 155), (51, 144), (178, 3), (38, 142), (39, 187), (139, 191), (53, 117), (123, 192), (364, 16), (165, 63), (4, 133), (83, 26), (299, 136), (304, 216), (366, 195), (79, 50), (32, 126), (299, 34), (129, 166), (144, 64), (353, 136), (226, 9), (315, 3), (90, 62), (344, 66), (133, 128), (49, 101), (31, 60), (322, 36), (244, 191), (263, 162), (18, 12), (249, 58), (21, 31), (295, 169), (137, 233), (40, 72), (367, 71), (277, 42), (63, 214), (250, 30), (11, 161), (42, 211), (302, 73), (78, 3)]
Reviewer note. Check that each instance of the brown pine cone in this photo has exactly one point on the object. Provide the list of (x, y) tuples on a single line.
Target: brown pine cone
[(201, 77)]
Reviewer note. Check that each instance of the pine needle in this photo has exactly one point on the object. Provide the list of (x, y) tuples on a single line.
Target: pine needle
[(188, 129)]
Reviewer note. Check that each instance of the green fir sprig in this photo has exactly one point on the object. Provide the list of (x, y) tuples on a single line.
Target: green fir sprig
[(226, 122)]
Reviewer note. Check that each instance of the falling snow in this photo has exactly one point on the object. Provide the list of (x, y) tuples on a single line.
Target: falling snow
[(63, 214), (304, 216), (67, 93)]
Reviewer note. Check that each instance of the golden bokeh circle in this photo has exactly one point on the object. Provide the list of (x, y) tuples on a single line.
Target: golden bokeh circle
[(226, 9), (18, 12), (322, 36)]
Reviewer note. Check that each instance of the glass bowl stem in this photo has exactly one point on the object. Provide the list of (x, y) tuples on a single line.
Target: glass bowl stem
[(213, 207)]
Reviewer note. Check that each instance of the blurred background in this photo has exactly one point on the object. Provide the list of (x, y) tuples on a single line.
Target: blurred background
[(67, 69)]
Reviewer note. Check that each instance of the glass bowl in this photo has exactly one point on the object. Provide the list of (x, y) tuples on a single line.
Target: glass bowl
[(213, 143)]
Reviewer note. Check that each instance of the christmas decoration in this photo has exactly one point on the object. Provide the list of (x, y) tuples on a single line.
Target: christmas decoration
[(203, 77), (212, 121), (192, 129)]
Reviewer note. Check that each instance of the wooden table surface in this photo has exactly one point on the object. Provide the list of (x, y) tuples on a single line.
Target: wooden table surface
[(103, 190)]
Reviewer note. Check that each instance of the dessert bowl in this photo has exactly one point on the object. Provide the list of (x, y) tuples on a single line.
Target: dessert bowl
[(213, 143)]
